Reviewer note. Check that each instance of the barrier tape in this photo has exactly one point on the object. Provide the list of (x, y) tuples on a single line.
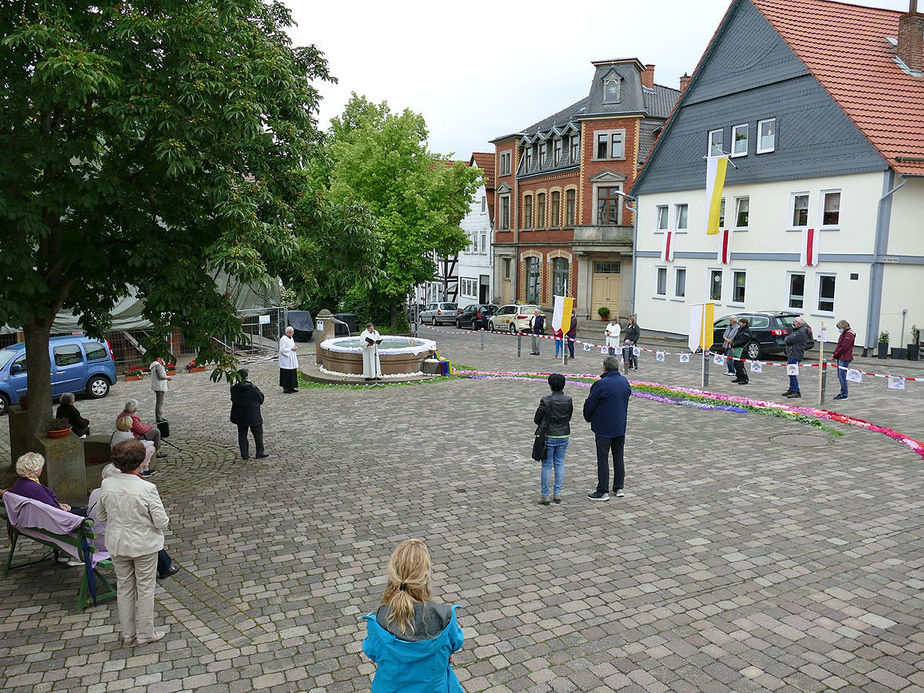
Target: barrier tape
[(685, 356)]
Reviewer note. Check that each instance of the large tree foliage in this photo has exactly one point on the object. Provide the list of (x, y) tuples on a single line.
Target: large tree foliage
[(418, 198), (150, 145)]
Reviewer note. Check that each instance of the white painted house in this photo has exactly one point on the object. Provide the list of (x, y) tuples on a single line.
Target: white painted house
[(820, 106)]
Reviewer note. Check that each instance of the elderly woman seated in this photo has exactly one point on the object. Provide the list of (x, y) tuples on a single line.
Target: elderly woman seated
[(165, 567), (142, 431), (122, 433), (66, 410)]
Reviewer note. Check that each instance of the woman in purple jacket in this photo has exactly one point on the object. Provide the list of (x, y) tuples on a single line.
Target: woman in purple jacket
[(29, 467)]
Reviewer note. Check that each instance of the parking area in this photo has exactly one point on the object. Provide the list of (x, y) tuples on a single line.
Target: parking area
[(750, 553)]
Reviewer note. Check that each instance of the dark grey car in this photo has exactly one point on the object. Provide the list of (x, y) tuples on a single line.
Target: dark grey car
[(769, 330)]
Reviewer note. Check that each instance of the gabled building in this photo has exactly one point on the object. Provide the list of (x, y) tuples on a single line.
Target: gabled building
[(476, 262), (820, 107), (561, 225)]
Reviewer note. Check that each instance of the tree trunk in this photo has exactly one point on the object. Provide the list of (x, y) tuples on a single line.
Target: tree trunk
[(394, 316), (38, 366)]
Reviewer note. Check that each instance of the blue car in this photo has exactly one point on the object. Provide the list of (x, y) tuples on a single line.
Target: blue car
[(78, 364)]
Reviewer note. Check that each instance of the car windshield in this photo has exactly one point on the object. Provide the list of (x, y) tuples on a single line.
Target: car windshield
[(448, 306), (6, 355)]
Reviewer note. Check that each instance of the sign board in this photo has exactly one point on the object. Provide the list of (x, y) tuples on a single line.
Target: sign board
[(264, 319), (319, 326)]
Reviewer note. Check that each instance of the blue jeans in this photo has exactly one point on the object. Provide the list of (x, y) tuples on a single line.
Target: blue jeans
[(556, 458), (559, 347), (793, 380), (842, 367), (730, 363)]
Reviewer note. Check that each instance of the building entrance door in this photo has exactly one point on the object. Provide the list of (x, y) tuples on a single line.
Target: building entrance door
[(605, 287)]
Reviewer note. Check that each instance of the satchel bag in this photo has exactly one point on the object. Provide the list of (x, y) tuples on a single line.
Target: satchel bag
[(540, 448)]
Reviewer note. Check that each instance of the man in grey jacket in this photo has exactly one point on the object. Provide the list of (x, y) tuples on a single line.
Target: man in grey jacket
[(727, 338), (797, 341), (159, 380)]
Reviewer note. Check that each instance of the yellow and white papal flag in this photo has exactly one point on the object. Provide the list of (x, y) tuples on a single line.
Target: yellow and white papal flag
[(715, 184)]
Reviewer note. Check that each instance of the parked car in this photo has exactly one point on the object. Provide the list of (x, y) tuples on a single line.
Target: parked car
[(512, 318), (768, 329), (77, 364), (475, 316), (443, 313)]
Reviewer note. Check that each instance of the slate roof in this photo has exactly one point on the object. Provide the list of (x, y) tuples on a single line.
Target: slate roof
[(485, 161), (845, 49)]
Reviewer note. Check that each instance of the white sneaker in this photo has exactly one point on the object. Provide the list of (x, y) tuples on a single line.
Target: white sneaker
[(619, 493), (729, 374)]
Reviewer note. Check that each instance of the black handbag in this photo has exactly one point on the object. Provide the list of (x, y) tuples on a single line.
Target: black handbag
[(164, 428), (540, 448)]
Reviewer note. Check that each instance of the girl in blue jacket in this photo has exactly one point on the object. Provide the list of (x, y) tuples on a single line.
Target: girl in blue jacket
[(410, 638)]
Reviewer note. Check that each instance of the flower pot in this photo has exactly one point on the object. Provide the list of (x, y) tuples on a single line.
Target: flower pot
[(134, 377), (883, 350), (914, 352), (171, 373), (197, 369), (898, 353), (62, 433)]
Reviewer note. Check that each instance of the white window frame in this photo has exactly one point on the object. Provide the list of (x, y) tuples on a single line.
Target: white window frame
[(484, 242), (484, 204), (677, 206), (609, 144), (658, 270), (732, 301), (821, 210), (674, 295), (737, 203), (505, 160), (760, 124), (747, 143), (503, 202), (667, 218), (574, 148), (789, 294), (710, 144), (790, 223), (819, 310), (722, 214), (709, 273)]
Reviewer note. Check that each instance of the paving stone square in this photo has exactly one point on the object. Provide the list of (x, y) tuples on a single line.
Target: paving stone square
[(750, 553)]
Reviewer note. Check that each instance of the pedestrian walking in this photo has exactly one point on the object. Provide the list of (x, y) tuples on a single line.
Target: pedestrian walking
[(288, 362), (606, 408), (843, 354), (611, 333), (739, 342), (632, 334), (553, 420), (410, 637), (159, 380), (572, 334), (537, 327), (796, 341), (246, 400), (727, 338)]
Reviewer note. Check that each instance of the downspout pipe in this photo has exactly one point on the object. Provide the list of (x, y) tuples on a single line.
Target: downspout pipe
[(880, 248)]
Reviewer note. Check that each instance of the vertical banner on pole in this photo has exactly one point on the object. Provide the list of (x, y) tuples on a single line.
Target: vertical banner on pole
[(561, 318), (702, 316)]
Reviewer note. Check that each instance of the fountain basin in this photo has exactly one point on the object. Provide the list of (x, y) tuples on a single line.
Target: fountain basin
[(399, 355)]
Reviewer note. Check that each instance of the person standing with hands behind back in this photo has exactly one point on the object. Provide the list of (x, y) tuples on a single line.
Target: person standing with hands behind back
[(246, 400), (411, 638), (843, 354), (288, 362), (606, 408)]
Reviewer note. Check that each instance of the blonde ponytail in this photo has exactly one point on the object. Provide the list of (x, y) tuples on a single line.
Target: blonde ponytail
[(408, 583)]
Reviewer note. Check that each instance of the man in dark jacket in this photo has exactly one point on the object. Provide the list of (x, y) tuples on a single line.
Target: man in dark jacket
[(572, 335), (797, 340), (553, 418), (606, 409), (739, 342), (537, 323), (246, 399)]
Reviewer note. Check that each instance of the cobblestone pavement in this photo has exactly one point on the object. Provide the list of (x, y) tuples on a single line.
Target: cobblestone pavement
[(749, 554)]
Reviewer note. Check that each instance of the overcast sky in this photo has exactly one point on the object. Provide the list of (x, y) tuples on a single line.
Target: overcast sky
[(477, 70)]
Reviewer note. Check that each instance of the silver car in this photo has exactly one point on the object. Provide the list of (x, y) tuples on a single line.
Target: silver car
[(443, 313)]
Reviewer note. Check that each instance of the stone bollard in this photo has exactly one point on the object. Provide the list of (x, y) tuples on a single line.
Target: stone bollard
[(65, 470), (19, 432), (326, 319)]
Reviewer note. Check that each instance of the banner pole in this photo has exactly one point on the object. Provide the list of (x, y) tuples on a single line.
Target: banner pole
[(821, 365)]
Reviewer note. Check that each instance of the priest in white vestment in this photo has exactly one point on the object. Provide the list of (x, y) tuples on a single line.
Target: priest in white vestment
[(288, 362), (372, 365)]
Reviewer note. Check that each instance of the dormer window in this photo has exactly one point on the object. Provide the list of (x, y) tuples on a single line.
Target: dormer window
[(543, 149), (528, 158), (556, 149), (611, 88)]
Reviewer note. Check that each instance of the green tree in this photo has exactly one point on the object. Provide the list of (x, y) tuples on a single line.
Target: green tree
[(418, 198), (151, 145)]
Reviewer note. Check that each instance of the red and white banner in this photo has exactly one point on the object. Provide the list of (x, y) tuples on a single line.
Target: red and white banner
[(667, 252), (809, 257), (725, 240)]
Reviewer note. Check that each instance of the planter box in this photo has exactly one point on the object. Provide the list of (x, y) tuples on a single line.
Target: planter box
[(134, 377), (914, 352), (883, 350), (197, 369), (898, 353), (171, 373)]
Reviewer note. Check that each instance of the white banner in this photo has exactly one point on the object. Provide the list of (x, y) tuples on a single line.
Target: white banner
[(792, 369), (896, 382), (684, 358), (854, 376), (718, 360), (757, 367)]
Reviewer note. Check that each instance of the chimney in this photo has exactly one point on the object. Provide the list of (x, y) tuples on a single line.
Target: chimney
[(911, 38), (648, 76), (684, 81)]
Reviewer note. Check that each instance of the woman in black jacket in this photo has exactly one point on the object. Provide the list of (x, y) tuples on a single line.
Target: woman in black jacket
[(553, 418), (739, 341)]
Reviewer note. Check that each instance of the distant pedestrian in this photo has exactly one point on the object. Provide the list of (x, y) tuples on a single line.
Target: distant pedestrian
[(628, 355), (606, 408), (553, 419), (632, 334), (727, 338), (246, 400), (572, 334), (159, 380), (559, 343), (741, 339), (796, 341), (843, 354), (537, 327), (611, 333), (410, 637), (288, 362)]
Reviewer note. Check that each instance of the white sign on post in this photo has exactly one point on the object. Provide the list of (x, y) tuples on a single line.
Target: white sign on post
[(319, 326), (264, 319)]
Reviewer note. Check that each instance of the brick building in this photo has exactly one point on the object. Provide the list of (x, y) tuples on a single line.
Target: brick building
[(561, 225)]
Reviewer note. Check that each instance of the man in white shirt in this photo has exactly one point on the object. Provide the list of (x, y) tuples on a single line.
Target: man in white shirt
[(372, 365), (288, 362)]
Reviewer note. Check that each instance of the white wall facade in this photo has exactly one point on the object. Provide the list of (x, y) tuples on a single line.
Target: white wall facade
[(476, 261), (766, 253)]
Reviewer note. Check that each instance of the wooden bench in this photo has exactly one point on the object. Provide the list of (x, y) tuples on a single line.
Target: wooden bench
[(48, 525)]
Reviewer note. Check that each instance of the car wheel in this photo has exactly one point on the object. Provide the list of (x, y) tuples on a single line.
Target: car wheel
[(98, 387), (512, 327), (752, 351), (4, 404), (491, 327)]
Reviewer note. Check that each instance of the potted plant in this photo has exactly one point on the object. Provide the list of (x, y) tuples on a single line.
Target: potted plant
[(883, 344), (58, 428), (914, 349), (193, 367), (134, 373), (170, 368), (604, 313)]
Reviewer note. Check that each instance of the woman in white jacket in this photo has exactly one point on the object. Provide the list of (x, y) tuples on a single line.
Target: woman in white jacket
[(136, 521), (612, 333)]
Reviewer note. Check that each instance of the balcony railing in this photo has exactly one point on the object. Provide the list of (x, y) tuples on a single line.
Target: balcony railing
[(603, 234)]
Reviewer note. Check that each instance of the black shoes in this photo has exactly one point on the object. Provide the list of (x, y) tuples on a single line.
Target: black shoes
[(262, 455), (172, 570)]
